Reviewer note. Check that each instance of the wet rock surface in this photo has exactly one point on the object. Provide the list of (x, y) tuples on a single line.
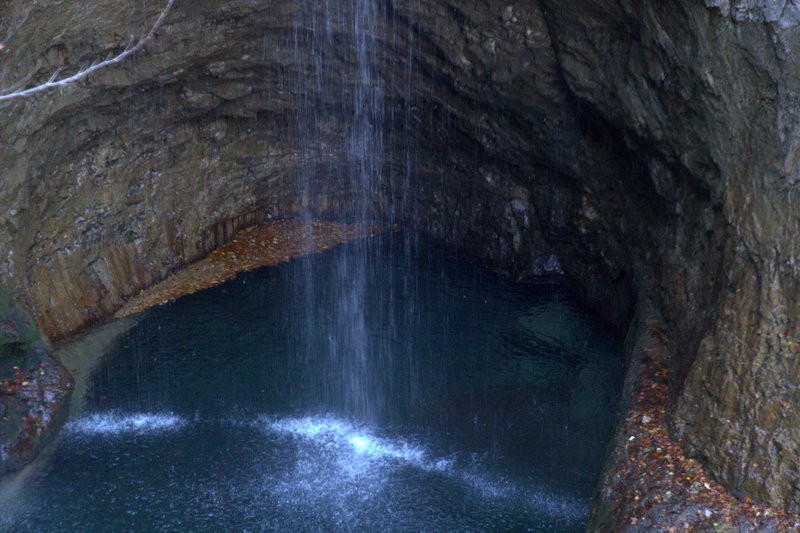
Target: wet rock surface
[(709, 94), (650, 483), (34, 390), (239, 113), (648, 148)]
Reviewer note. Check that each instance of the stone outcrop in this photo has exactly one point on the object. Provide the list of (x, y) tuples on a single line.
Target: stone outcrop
[(708, 94), (241, 112), (34, 389), (652, 148)]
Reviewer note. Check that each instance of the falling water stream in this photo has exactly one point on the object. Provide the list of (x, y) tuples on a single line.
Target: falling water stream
[(215, 413), (383, 385), (323, 33)]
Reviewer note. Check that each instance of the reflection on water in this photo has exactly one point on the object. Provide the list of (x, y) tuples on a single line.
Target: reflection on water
[(227, 411)]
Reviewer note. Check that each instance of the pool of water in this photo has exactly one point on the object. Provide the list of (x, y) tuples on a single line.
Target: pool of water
[(454, 400)]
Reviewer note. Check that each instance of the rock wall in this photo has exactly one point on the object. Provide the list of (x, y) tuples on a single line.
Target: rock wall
[(709, 94), (240, 112), (649, 147)]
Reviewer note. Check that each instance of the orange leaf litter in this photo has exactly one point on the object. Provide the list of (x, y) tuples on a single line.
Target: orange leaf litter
[(257, 246), (665, 490)]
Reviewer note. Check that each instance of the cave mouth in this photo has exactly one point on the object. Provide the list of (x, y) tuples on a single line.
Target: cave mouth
[(364, 117), (437, 396), (651, 150)]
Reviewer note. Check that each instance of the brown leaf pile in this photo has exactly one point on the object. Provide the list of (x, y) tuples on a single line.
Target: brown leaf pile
[(254, 247), (12, 385), (664, 490)]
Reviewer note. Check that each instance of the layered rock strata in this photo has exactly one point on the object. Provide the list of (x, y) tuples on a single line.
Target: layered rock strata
[(708, 95), (650, 147)]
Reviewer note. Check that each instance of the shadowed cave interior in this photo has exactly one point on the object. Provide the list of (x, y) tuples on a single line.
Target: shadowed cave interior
[(649, 149)]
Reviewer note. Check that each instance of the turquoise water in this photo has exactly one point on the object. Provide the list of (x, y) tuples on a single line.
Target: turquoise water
[(478, 405)]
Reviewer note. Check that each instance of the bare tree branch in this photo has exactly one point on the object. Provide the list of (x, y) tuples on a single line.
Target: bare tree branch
[(132, 47)]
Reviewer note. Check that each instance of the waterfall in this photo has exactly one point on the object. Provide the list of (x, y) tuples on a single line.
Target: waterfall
[(359, 361), (337, 46), (384, 384)]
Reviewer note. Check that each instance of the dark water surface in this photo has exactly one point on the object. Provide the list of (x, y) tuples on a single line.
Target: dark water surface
[(469, 404)]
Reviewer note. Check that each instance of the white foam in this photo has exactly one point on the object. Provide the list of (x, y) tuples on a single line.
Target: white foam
[(116, 423), (338, 463), (348, 438), (348, 452)]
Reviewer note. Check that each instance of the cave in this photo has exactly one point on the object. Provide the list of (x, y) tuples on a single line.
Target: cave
[(649, 148)]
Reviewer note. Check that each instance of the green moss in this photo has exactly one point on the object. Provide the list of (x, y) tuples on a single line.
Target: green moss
[(19, 335), (31, 336)]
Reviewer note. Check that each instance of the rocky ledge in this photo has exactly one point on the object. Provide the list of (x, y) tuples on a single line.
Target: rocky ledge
[(650, 482), (34, 390)]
